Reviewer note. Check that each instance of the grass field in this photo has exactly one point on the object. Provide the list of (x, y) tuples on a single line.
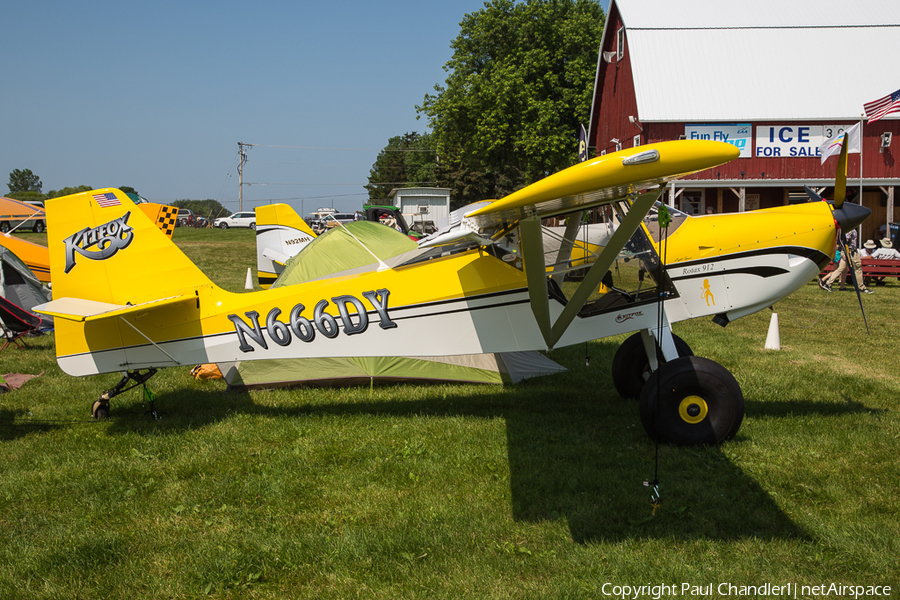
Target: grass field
[(459, 491)]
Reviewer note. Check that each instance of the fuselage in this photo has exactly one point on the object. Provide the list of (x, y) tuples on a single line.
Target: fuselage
[(467, 303)]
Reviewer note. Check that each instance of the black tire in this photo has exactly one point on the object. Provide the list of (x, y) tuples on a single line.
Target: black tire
[(4, 227), (223, 225), (692, 401), (630, 367), (253, 226), (38, 227)]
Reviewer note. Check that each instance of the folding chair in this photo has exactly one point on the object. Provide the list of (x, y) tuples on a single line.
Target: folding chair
[(17, 322)]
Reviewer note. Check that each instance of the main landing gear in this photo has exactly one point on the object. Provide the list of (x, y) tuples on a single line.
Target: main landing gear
[(100, 408), (688, 400)]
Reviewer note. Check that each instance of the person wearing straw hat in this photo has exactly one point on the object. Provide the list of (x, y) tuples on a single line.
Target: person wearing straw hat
[(886, 251), (867, 248)]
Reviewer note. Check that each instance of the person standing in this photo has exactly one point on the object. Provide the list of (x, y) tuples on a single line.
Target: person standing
[(850, 242)]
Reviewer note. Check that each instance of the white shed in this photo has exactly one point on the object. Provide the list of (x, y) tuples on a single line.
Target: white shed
[(422, 204)]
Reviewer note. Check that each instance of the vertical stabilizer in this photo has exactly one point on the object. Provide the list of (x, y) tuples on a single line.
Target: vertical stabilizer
[(104, 249), (280, 235)]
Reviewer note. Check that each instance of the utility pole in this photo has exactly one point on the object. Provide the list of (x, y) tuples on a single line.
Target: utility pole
[(241, 162)]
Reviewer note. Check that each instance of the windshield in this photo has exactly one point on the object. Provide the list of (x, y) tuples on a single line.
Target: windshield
[(652, 222)]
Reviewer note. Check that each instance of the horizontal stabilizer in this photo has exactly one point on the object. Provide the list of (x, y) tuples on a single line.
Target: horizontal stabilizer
[(275, 256), (77, 309)]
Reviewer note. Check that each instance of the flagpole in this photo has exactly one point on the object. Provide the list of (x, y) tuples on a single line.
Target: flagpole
[(861, 140), (861, 144)]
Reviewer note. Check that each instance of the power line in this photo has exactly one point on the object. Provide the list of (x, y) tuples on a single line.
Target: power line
[(346, 149), (363, 184)]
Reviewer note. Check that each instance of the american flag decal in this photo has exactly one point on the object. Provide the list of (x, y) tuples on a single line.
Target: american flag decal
[(106, 200)]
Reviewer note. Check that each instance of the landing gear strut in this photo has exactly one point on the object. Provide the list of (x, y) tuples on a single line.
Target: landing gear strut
[(631, 367), (100, 408)]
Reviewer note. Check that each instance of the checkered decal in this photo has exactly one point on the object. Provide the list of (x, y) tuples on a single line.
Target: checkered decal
[(166, 219)]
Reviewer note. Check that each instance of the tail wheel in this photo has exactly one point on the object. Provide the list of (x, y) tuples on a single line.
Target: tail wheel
[(100, 410), (692, 401), (630, 367)]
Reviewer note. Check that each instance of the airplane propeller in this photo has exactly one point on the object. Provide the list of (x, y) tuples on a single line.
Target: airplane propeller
[(848, 215)]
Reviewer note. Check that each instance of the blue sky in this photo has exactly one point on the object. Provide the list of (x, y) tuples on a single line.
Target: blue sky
[(156, 95)]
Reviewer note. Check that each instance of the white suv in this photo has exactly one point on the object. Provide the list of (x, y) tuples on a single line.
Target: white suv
[(238, 219)]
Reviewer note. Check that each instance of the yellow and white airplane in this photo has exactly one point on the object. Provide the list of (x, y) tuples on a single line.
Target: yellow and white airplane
[(480, 286)]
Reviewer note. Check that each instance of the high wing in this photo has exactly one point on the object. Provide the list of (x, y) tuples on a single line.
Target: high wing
[(604, 179)]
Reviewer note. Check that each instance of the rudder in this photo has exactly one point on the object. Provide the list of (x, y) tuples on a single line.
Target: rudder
[(280, 235)]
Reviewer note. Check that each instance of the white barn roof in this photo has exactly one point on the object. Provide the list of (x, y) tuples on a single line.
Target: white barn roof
[(712, 60)]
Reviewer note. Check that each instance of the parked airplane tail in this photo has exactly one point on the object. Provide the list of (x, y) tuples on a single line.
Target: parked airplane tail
[(280, 235), (118, 281)]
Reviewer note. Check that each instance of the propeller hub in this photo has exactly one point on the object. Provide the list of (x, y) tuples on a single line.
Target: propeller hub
[(850, 215)]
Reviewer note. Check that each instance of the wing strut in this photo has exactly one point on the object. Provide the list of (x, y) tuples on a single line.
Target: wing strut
[(568, 243), (155, 345), (535, 271)]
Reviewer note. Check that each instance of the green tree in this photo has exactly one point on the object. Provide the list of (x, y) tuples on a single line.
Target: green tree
[(518, 86), (23, 180), (28, 196), (67, 191), (408, 160), (209, 209), (128, 189)]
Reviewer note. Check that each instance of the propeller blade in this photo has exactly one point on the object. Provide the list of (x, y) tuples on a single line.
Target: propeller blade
[(852, 270), (840, 175), (813, 197)]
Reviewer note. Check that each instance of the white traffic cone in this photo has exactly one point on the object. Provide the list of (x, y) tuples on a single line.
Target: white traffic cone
[(249, 284), (773, 339)]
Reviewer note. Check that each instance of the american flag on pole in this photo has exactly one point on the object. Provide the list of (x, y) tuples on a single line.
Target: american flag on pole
[(883, 106), (106, 200)]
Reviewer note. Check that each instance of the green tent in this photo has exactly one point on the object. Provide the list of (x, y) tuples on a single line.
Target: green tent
[(356, 246), (508, 367)]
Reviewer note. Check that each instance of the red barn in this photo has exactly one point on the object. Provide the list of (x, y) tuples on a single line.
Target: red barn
[(775, 78)]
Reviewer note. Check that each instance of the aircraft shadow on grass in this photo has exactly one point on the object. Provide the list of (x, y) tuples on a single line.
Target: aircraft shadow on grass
[(577, 452), (14, 425)]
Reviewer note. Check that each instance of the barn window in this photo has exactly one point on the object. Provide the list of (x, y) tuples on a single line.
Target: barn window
[(620, 43)]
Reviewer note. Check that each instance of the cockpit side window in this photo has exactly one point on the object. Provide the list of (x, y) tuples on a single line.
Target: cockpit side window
[(651, 221)]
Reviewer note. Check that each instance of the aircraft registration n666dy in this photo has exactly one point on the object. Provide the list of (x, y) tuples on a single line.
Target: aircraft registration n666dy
[(128, 300)]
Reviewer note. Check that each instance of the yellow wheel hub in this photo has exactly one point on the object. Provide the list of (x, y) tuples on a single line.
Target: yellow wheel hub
[(693, 409)]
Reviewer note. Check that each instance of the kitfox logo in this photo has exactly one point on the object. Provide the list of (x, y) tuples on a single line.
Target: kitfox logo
[(99, 243), (628, 316), (304, 329)]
